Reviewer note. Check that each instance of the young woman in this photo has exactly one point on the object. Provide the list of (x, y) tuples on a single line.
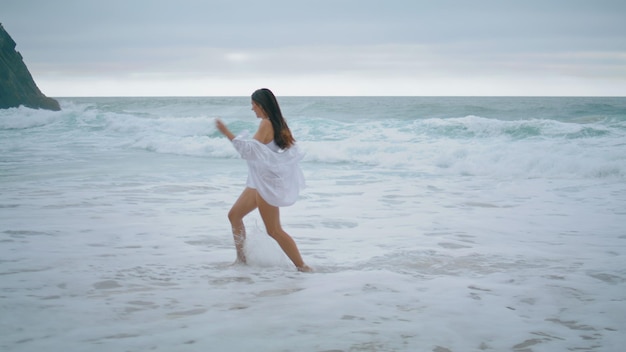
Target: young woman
[(274, 176)]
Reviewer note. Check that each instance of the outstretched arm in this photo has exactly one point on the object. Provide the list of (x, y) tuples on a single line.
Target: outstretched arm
[(223, 129), (248, 149)]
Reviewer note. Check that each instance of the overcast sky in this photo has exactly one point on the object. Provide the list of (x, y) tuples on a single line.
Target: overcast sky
[(321, 47)]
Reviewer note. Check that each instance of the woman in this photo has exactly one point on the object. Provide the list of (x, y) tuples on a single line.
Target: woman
[(274, 176)]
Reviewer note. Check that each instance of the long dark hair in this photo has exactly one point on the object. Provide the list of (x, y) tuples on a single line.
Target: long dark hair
[(267, 101)]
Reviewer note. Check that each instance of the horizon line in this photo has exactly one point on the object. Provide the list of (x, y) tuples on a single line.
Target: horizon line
[(343, 96)]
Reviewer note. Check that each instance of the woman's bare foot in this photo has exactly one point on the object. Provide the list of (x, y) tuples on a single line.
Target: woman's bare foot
[(238, 262), (305, 269)]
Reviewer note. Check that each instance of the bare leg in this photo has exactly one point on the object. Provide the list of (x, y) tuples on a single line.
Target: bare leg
[(271, 217), (242, 207)]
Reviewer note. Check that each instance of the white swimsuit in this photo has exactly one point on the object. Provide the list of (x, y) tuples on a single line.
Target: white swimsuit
[(273, 172)]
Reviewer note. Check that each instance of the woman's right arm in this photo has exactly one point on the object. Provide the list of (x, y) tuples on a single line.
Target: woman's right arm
[(223, 129), (248, 149)]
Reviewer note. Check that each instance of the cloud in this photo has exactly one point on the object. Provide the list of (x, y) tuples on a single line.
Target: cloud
[(356, 70), (349, 46)]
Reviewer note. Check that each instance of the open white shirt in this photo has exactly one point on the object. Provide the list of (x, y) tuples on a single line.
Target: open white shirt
[(275, 173)]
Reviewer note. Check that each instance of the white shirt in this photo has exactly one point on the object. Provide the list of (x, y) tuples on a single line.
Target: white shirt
[(273, 172)]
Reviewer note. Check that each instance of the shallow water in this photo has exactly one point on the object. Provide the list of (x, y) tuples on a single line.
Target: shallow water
[(437, 232)]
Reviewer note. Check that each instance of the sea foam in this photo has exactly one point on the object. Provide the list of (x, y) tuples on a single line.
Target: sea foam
[(433, 224)]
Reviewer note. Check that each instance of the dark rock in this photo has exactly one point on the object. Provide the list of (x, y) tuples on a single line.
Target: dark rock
[(17, 86)]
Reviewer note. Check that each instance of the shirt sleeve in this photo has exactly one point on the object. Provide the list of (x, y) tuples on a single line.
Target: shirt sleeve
[(253, 150), (250, 149)]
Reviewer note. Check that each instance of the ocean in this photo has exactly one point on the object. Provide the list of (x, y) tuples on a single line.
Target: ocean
[(433, 224)]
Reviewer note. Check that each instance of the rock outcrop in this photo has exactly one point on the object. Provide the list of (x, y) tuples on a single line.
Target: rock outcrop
[(17, 86)]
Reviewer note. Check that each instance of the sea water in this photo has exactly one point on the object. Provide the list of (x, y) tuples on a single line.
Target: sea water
[(433, 224)]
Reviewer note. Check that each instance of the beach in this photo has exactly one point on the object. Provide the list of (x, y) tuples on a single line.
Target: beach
[(433, 224)]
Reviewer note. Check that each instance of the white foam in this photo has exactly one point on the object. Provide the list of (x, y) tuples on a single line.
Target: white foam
[(113, 247), (24, 118)]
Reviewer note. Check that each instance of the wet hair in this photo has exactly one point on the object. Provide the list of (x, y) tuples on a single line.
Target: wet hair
[(267, 101)]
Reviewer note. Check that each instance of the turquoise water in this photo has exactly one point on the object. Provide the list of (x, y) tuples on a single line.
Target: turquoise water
[(434, 223), (522, 137)]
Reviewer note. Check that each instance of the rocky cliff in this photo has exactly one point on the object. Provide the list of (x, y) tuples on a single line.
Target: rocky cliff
[(17, 86)]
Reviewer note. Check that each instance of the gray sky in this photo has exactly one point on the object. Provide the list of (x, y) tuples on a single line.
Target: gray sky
[(322, 47)]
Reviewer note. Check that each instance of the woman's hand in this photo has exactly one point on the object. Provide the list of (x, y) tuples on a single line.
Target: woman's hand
[(223, 129)]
